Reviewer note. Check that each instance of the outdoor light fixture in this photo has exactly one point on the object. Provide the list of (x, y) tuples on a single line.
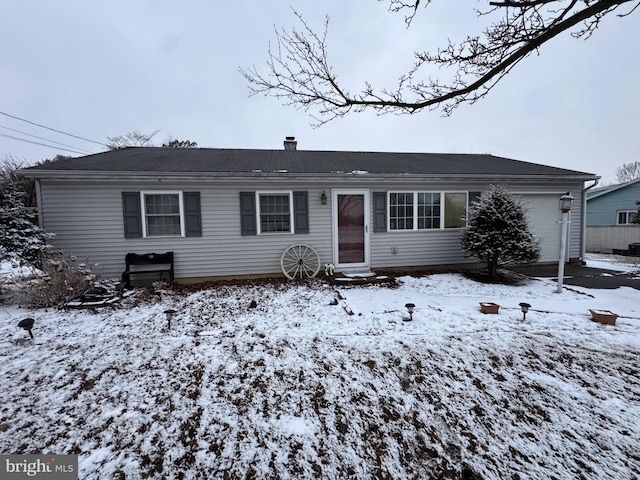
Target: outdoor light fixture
[(27, 324), (410, 308), (566, 201), (169, 313), (323, 198), (525, 308)]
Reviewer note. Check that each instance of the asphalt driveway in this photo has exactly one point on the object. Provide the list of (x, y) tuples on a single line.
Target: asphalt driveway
[(583, 276)]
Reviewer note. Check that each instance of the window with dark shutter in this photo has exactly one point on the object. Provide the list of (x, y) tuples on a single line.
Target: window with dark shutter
[(474, 197), (248, 213), (132, 214), (192, 215), (301, 212), (379, 211)]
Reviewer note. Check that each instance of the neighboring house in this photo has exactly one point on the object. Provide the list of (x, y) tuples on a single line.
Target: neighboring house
[(233, 212), (610, 214)]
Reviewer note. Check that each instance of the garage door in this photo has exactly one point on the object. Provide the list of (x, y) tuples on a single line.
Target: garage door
[(544, 217)]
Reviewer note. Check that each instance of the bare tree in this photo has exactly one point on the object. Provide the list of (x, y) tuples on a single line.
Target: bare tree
[(627, 172), (175, 143), (131, 139), (299, 72)]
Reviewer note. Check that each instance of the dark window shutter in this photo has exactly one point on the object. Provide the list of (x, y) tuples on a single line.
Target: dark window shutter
[(193, 223), (248, 213), (379, 211), (132, 214), (301, 212), (474, 196)]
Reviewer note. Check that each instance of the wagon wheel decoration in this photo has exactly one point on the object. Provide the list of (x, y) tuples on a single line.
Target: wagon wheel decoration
[(300, 261)]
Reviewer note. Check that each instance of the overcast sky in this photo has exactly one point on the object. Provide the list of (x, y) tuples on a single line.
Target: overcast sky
[(104, 68)]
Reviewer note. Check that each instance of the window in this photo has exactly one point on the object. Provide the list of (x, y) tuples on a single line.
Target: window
[(401, 211), (161, 214), (275, 212), (455, 209), (626, 217), (427, 210), (162, 217)]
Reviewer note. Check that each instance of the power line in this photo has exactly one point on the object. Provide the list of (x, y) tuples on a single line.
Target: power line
[(38, 143), (47, 139), (53, 129)]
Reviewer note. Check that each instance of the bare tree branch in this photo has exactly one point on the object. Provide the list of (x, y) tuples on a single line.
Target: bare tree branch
[(131, 139), (622, 15), (397, 5), (628, 172), (300, 74), (520, 3)]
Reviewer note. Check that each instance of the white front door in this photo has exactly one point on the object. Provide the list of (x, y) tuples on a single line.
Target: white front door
[(350, 228)]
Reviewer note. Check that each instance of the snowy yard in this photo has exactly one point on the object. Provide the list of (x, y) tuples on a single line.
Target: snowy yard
[(298, 388)]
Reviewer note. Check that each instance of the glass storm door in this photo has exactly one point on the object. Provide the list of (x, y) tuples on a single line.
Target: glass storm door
[(351, 228)]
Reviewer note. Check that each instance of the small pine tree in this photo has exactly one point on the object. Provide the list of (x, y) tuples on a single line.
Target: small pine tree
[(498, 232), (20, 237)]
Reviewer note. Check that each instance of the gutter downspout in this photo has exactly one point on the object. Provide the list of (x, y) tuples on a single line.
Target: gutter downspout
[(583, 241)]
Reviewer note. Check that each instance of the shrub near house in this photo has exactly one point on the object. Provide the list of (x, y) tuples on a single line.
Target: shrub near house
[(498, 232)]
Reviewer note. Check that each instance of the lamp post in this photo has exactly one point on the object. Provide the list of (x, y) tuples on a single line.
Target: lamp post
[(566, 201)]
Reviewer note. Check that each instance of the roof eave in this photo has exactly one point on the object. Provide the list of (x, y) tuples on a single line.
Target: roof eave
[(344, 176)]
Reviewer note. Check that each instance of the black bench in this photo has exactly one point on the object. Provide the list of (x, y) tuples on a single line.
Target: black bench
[(149, 266)]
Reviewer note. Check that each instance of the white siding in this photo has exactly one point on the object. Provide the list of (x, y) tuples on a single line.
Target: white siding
[(417, 248), (87, 220), (544, 217), (429, 247)]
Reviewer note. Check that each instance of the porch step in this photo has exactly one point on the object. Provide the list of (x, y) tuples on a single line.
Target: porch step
[(359, 278), (359, 274)]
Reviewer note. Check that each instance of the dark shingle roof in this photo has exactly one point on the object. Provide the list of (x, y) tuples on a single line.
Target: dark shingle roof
[(210, 160)]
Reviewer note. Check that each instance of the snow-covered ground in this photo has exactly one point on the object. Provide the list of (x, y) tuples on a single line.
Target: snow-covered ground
[(12, 270), (299, 388)]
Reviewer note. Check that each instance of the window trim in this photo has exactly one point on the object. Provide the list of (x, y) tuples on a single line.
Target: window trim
[(414, 206), (440, 211), (288, 193), (628, 213), (143, 212), (415, 193)]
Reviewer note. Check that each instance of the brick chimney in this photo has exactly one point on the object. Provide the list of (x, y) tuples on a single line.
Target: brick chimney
[(290, 143)]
